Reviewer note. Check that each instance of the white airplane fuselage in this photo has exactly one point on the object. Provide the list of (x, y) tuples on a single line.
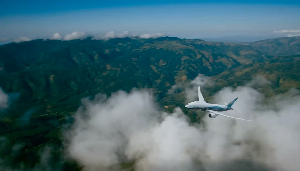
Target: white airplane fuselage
[(196, 105)]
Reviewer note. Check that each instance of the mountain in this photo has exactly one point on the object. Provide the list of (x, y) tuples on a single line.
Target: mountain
[(52, 76), (52, 71), (55, 54), (284, 46), (283, 73), (239, 38)]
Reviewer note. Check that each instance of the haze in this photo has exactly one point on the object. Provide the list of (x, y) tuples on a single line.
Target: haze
[(214, 20)]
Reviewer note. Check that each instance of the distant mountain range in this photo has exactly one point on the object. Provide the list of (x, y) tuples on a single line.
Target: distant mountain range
[(241, 38), (279, 46), (51, 76)]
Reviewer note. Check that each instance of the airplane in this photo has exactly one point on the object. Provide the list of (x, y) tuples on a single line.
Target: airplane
[(213, 109)]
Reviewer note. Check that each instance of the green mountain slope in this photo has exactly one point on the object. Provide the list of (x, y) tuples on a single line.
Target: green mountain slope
[(282, 72), (50, 72), (54, 54), (280, 46), (52, 76)]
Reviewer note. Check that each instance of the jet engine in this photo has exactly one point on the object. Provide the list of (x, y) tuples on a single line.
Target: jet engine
[(212, 115)]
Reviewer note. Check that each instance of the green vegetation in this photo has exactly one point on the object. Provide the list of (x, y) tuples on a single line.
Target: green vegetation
[(52, 77), (280, 46)]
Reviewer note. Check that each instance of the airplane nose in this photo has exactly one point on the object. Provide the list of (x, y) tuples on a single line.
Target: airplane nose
[(186, 106)]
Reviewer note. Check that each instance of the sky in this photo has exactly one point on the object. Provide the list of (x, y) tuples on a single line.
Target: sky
[(25, 20)]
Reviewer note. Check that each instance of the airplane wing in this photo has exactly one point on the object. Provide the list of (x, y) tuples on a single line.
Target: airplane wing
[(219, 113), (200, 96)]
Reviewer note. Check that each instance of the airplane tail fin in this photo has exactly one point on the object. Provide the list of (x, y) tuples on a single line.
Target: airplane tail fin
[(232, 102), (200, 96)]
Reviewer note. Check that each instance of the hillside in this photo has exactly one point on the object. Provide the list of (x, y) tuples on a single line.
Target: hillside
[(283, 73), (280, 46), (57, 71), (54, 54), (52, 76)]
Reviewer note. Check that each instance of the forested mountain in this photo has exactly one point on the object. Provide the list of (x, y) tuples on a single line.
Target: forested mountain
[(50, 72), (51, 77), (279, 46)]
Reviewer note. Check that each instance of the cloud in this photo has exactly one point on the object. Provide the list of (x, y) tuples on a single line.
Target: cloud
[(6, 99), (25, 119), (190, 89), (107, 134), (293, 35), (109, 35), (130, 127), (153, 35), (271, 139), (287, 31), (22, 39), (112, 34), (3, 99), (5, 39), (175, 87), (56, 36), (258, 81), (75, 35)]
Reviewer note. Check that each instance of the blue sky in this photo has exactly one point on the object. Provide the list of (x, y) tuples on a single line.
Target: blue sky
[(189, 18)]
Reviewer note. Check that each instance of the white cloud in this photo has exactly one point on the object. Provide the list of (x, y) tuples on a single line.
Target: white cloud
[(153, 35), (271, 139), (75, 35), (258, 81), (56, 36), (22, 39), (111, 35), (3, 99), (293, 35), (190, 89), (287, 31), (129, 127)]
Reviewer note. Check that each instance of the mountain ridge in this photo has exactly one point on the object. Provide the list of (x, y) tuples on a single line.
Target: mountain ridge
[(51, 82)]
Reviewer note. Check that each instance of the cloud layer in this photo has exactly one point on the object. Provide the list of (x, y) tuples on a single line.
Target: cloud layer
[(82, 35), (287, 31), (22, 39), (56, 36), (293, 35), (75, 35), (111, 35), (130, 127), (153, 35)]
